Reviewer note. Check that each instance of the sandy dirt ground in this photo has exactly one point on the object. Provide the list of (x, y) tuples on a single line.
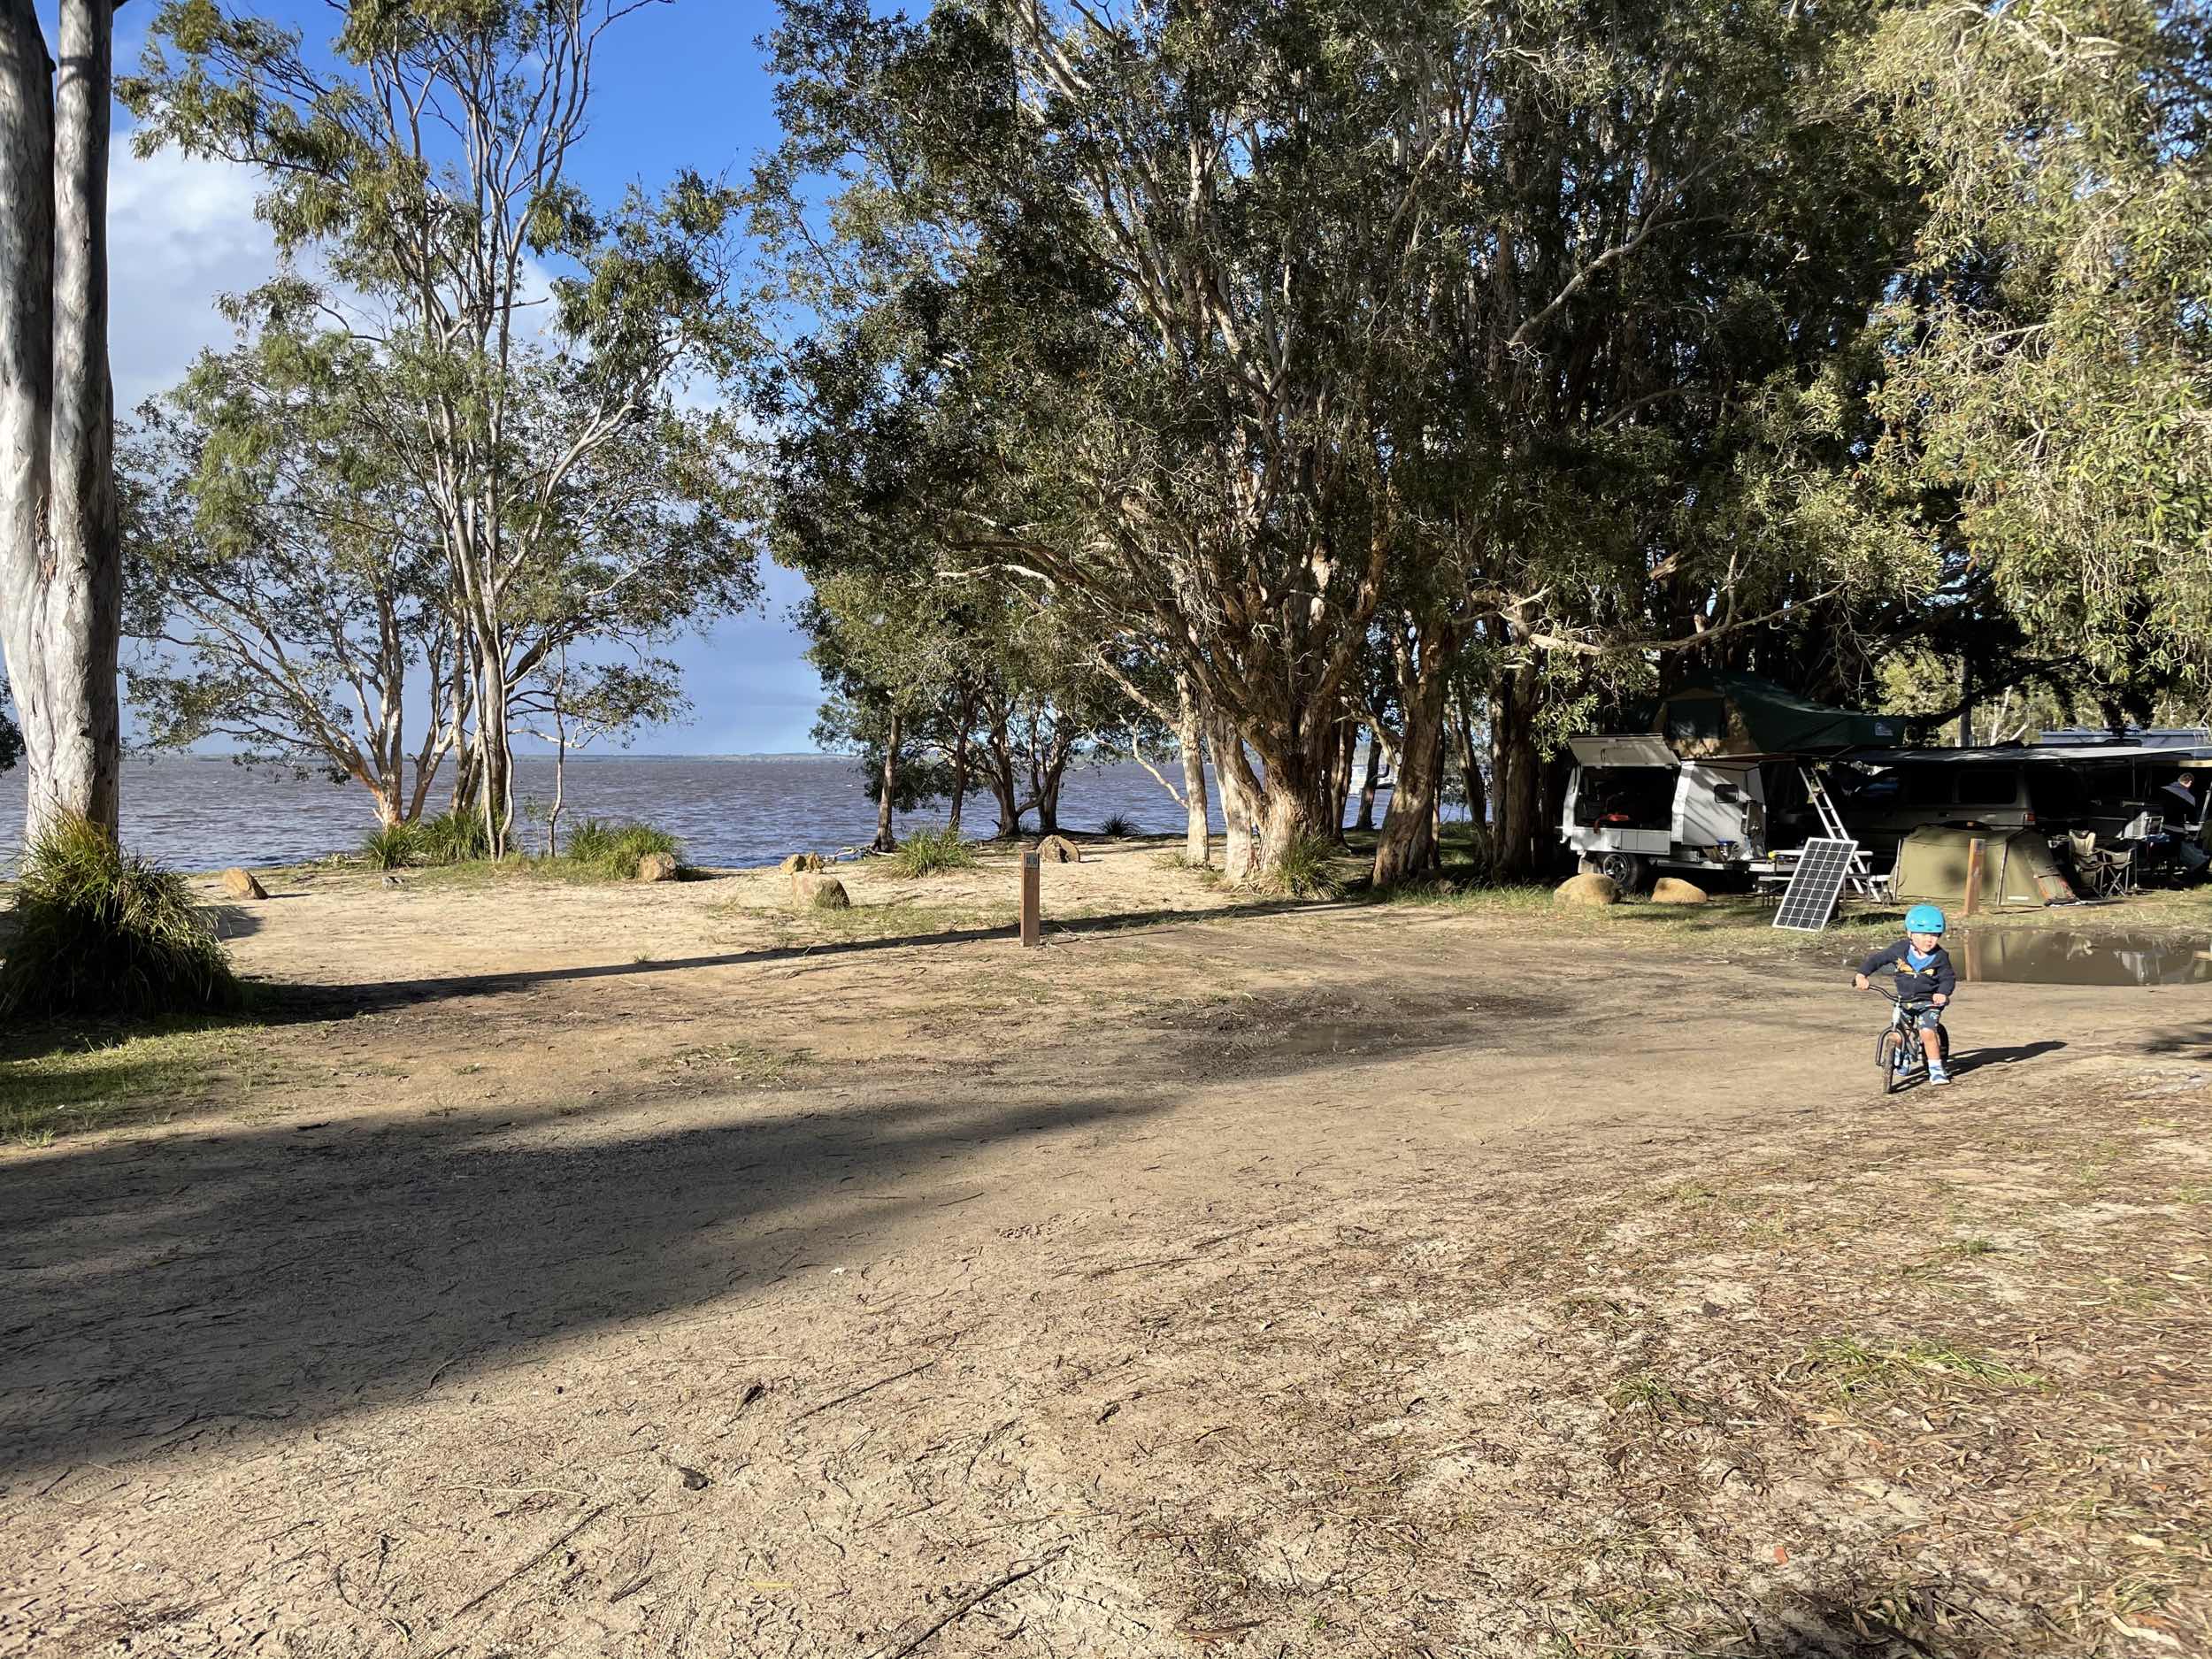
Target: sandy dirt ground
[(646, 1270)]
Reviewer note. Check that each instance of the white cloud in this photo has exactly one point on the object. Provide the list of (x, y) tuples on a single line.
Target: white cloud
[(181, 232)]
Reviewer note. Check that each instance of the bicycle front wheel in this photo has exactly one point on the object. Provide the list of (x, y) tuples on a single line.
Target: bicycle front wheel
[(1892, 1052)]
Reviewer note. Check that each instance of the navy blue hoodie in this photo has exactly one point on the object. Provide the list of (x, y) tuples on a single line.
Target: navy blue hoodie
[(1914, 985)]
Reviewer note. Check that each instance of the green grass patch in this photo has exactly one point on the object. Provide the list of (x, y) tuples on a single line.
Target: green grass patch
[(95, 1084), (450, 838), (1856, 1367), (927, 851), (900, 918)]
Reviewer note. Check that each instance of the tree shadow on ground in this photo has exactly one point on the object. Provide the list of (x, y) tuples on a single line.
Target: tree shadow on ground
[(308, 1002), (178, 1291)]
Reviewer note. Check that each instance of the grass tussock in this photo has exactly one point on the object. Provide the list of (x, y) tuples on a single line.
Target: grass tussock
[(1119, 826), (927, 852), (617, 849), (393, 846), (96, 931), (450, 838), (1307, 870)]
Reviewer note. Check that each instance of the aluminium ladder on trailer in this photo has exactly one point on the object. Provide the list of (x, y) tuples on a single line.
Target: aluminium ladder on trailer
[(1861, 878)]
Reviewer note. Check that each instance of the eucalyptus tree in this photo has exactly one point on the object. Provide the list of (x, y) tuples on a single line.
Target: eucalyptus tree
[(425, 163), (285, 589), (290, 576), (2051, 343), (60, 560)]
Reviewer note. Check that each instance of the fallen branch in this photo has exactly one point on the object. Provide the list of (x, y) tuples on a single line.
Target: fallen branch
[(496, 1585), (966, 1608), (869, 1389)]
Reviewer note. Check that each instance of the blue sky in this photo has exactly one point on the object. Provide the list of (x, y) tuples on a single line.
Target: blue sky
[(678, 84)]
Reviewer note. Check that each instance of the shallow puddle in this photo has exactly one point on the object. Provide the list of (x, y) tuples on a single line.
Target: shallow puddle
[(2036, 956)]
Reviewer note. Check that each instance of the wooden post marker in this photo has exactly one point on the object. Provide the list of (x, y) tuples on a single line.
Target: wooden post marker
[(1032, 918), (1977, 850)]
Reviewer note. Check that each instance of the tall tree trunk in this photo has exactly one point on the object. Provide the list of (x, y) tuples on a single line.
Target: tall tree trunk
[(1048, 792), (495, 778), (1000, 774), (959, 776), (1241, 800), (1190, 737), (26, 389), (1462, 725), (560, 771), (1406, 848), (462, 701), (87, 536), (884, 841), (1369, 784), (60, 555), (1516, 763), (1341, 778)]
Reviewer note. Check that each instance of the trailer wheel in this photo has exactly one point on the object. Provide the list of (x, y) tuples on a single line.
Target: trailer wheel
[(1628, 871)]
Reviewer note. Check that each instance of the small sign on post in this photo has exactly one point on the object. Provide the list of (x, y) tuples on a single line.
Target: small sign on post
[(1977, 850), (1032, 880)]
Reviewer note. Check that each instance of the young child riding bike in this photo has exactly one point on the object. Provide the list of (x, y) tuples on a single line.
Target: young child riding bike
[(1925, 980)]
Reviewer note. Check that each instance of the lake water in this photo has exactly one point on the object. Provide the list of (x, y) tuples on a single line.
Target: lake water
[(733, 810)]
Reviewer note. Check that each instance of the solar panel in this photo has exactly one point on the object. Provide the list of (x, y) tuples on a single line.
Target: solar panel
[(1821, 870)]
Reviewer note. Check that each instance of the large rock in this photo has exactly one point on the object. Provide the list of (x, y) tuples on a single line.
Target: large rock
[(239, 884), (1674, 890), (797, 862), (820, 893), (656, 867), (1586, 890), (1058, 849)]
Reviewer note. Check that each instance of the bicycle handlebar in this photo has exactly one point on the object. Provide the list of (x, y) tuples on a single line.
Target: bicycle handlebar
[(1892, 998)]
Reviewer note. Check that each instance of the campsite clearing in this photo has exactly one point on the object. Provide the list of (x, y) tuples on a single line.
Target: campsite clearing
[(706, 1278)]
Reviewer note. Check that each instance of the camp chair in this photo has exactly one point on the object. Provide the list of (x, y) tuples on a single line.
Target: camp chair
[(2107, 870)]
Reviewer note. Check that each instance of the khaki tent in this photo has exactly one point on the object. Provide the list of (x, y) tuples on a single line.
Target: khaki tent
[(2017, 869)]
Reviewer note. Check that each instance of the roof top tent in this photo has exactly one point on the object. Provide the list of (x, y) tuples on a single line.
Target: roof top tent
[(1707, 780), (1743, 715)]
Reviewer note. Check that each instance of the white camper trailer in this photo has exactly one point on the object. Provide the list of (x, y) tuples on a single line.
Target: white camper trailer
[(1634, 807), (1718, 777)]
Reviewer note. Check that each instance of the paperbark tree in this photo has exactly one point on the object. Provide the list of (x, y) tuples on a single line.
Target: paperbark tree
[(60, 561), (1264, 325)]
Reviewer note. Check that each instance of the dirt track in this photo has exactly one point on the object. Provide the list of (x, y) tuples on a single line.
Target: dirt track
[(1345, 1280)]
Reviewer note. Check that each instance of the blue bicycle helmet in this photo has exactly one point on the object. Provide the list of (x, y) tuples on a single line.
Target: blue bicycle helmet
[(1924, 919)]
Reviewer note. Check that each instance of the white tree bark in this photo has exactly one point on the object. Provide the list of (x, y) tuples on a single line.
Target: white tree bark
[(60, 563)]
